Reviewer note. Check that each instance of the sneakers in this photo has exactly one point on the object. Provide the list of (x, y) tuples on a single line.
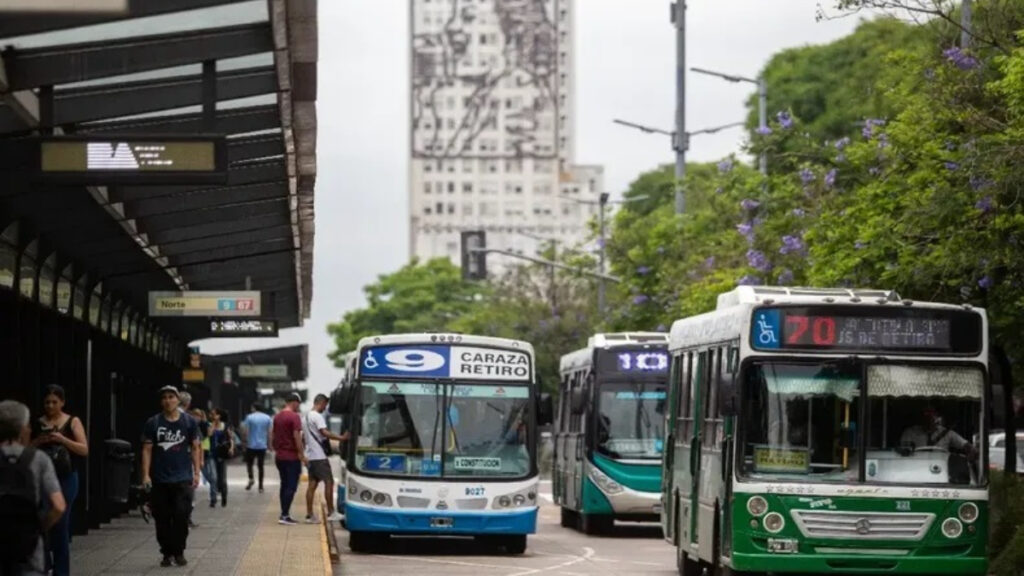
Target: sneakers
[(261, 489), (179, 560), (312, 519), (166, 562), (335, 517), (192, 524), (249, 485), (286, 521)]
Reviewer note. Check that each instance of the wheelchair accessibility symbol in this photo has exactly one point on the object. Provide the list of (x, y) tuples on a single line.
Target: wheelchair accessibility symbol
[(370, 362), (768, 330)]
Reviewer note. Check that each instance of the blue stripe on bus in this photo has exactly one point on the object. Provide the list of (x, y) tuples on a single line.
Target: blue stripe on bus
[(399, 521)]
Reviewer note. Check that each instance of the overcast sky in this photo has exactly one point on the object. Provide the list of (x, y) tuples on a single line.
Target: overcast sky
[(625, 69)]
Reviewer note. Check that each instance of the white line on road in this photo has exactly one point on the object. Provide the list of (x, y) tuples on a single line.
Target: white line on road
[(546, 496), (451, 562), (588, 553)]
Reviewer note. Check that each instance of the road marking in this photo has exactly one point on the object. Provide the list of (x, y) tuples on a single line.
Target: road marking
[(595, 559), (588, 553), (450, 562), (546, 496)]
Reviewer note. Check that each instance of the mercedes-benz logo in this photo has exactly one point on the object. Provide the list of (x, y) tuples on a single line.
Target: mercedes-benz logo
[(863, 526)]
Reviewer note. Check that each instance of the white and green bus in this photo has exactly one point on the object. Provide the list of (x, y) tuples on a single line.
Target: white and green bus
[(824, 431), (609, 436)]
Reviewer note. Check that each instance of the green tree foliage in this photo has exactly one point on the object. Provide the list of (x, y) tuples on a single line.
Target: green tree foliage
[(416, 298)]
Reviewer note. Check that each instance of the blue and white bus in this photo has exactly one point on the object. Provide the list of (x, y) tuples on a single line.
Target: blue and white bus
[(443, 439)]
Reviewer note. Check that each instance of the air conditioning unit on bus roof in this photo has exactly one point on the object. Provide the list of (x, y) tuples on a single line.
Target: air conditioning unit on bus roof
[(758, 294), (599, 340)]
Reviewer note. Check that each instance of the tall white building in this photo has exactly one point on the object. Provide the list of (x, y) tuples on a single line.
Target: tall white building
[(493, 108)]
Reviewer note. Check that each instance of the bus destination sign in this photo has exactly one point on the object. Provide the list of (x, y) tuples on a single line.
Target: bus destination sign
[(653, 361), (898, 330), (243, 328)]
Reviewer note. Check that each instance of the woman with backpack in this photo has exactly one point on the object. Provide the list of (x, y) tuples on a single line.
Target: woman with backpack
[(62, 437), (222, 449)]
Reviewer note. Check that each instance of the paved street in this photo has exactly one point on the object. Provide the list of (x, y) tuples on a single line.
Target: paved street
[(630, 549)]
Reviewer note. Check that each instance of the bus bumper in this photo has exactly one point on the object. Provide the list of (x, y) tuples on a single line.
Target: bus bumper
[(861, 564), (439, 522)]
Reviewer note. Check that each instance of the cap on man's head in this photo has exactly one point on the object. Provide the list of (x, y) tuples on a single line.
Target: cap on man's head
[(169, 390), (294, 397)]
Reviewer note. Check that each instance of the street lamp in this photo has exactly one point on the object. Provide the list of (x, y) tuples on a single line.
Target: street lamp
[(686, 140), (602, 202), (762, 97), (554, 257)]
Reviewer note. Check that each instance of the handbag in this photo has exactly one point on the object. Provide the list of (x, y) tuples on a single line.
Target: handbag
[(59, 454), (223, 447), (325, 443)]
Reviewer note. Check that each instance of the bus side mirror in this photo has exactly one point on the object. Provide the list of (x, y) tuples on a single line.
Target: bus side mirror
[(339, 402), (545, 410), (727, 395)]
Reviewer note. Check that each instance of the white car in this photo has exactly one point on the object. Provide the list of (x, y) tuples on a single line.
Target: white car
[(997, 451)]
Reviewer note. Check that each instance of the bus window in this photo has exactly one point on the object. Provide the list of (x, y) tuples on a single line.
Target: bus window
[(799, 421), (685, 372), (712, 422)]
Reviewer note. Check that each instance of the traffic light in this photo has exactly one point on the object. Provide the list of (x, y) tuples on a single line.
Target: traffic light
[(474, 259)]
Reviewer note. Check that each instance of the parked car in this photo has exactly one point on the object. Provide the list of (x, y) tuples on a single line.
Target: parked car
[(997, 451)]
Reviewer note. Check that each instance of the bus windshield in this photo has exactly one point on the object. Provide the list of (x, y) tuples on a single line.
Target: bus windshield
[(631, 420), (804, 422), (408, 429)]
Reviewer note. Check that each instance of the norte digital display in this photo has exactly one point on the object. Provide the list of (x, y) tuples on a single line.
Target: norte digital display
[(654, 361), (899, 330)]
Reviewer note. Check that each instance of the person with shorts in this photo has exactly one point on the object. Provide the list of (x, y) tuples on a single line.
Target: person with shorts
[(318, 447)]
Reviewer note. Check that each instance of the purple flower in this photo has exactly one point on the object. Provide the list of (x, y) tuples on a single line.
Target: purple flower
[(719, 190), (660, 250), (798, 212), (600, 243), (858, 245), (874, 170), (950, 145), (842, 143), (985, 282), (785, 277), (749, 204), (806, 176), (640, 299), (868, 131), (985, 204), (725, 166), (929, 73), (643, 270), (749, 280), (830, 178), (758, 260), (764, 130), (661, 328), (960, 59), (791, 244), (883, 140), (979, 183), (709, 262), (785, 119), (746, 230), (952, 166), (840, 157)]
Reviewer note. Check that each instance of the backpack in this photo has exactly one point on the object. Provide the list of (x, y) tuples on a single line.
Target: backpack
[(20, 523)]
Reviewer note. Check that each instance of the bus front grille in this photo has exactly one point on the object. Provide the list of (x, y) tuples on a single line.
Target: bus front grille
[(413, 502), (471, 504), (862, 525)]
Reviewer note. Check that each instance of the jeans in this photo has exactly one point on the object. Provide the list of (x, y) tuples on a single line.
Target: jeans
[(170, 504), (210, 474), (221, 466), (258, 456), (60, 533), (290, 471)]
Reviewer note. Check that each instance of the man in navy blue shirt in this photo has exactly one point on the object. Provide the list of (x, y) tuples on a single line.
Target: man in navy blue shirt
[(171, 460)]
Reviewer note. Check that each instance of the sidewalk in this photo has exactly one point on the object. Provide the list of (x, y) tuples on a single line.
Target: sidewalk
[(243, 538)]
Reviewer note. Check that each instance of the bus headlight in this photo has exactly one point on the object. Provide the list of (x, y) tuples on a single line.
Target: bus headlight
[(774, 522), (365, 495), (504, 501), (757, 506), (606, 484), (368, 495), (968, 512), (379, 498), (952, 528), (519, 499)]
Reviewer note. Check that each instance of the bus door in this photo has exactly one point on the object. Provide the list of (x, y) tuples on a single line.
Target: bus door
[(576, 450), (682, 477), (668, 509), (698, 389)]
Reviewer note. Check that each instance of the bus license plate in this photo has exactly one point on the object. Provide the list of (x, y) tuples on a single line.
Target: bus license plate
[(782, 546), (442, 522)]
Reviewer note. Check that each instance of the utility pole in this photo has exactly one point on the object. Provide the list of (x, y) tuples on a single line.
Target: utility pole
[(681, 138), (965, 24)]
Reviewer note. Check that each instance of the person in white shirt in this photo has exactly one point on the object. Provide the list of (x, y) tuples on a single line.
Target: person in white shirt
[(318, 441), (931, 433)]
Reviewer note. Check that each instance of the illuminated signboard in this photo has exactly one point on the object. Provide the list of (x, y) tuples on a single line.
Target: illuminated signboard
[(633, 361), (133, 159), (205, 303), (860, 328), (267, 371), (246, 328)]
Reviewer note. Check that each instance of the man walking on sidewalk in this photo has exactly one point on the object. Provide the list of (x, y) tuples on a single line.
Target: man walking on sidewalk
[(289, 454), (255, 434), (170, 467), (318, 448)]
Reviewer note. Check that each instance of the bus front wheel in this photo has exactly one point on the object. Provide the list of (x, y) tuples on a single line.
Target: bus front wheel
[(515, 544), (363, 542), (591, 524), (569, 518), (685, 565)]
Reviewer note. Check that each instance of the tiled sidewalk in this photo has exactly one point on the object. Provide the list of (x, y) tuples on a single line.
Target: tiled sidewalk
[(243, 538)]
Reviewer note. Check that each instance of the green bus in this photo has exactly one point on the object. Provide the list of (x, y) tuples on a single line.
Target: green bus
[(824, 431), (609, 435)]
